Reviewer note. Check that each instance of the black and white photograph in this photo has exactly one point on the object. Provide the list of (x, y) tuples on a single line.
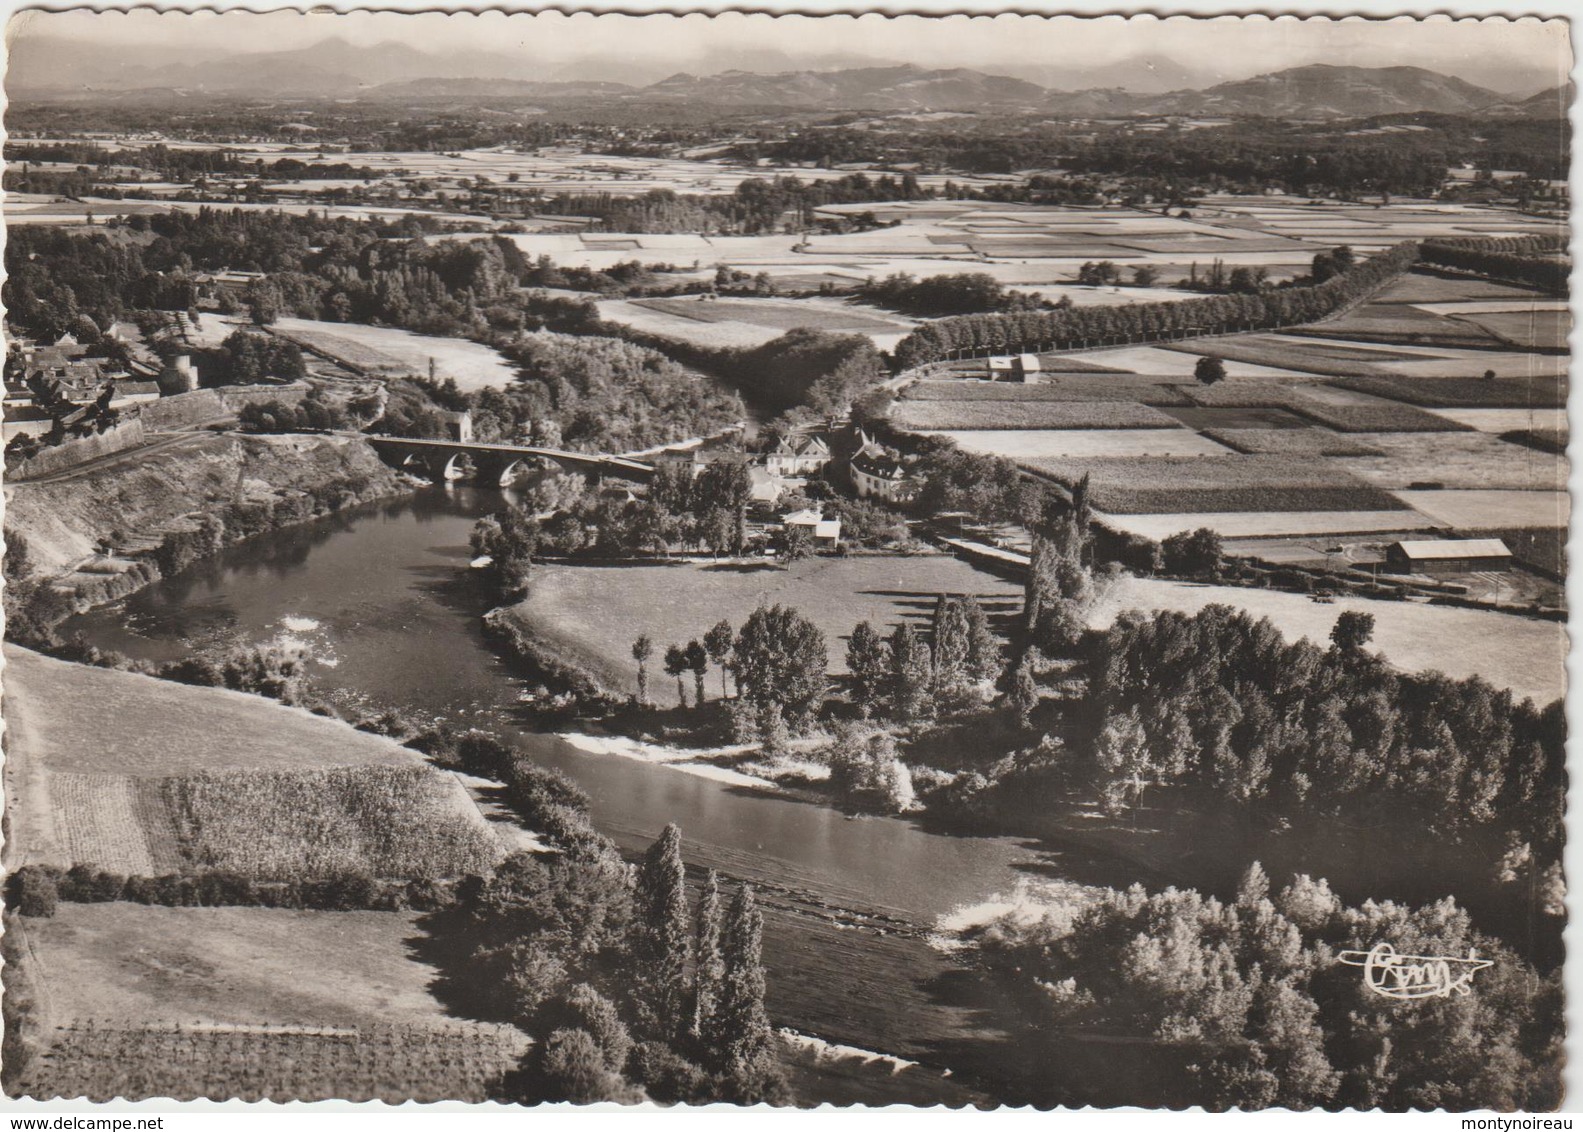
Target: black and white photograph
[(986, 561)]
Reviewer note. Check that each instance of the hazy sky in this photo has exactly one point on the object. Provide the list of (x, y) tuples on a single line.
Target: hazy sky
[(1240, 46)]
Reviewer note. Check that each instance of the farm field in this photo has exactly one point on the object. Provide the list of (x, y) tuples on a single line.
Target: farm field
[(1508, 420), (1261, 524), (1422, 287), (146, 776), (1013, 415), (1209, 483), (159, 965), (1475, 363), (251, 1002), (386, 351), (1533, 330), (1523, 391), (1169, 362), (1521, 653), (1075, 442), (730, 322), (1466, 460), (1378, 416), (591, 614), (1291, 442), (1475, 510), (1072, 387), (58, 712)]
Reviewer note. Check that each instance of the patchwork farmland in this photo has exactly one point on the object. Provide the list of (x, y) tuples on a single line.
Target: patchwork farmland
[(1410, 412)]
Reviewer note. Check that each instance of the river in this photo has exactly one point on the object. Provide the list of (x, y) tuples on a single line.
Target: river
[(385, 596)]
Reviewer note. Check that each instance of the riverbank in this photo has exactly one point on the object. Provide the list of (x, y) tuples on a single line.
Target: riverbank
[(585, 617), (821, 949), (109, 532)]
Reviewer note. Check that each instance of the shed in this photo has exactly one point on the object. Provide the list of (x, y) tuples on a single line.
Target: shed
[(1448, 556)]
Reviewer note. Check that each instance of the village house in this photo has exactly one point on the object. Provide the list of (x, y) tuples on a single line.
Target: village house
[(825, 533), (877, 473), (797, 455)]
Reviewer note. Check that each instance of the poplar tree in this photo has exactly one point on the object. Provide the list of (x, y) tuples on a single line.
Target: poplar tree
[(983, 647), (642, 649), (742, 1049), (950, 644), (663, 936), (711, 965), (868, 658), (911, 673)]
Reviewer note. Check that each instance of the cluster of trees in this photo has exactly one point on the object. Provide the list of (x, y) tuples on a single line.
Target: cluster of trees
[(1218, 700), (561, 516), (603, 395), (1247, 996), (56, 274), (777, 661), (244, 358), (1078, 327), (815, 371), (937, 295), (314, 413), (185, 164), (627, 278), (1539, 261), (35, 890), (587, 394), (757, 205), (1217, 280), (909, 676), (1258, 155), (630, 995)]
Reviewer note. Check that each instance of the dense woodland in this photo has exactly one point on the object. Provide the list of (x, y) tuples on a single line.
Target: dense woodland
[(1245, 1004), (595, 393), (1246, 155)]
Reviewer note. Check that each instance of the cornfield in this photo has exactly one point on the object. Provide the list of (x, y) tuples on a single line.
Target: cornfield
[(381, 821)]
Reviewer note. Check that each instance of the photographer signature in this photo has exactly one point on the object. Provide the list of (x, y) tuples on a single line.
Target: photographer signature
[(1414, 976)]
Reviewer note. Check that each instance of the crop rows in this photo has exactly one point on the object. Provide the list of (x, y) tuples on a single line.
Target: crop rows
[(97, 818), (1028, 415), (1382, 417), (1289, 442), (1081, 388), (1542, 390), (406, 822), (1320, 359), (392, 1063), (1153, 485)]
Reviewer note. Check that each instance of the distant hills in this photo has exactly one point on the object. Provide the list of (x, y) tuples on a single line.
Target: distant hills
[(55, 67)]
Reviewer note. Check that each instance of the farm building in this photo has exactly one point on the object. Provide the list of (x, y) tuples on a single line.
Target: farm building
[(1448, 556), (1019, 367)]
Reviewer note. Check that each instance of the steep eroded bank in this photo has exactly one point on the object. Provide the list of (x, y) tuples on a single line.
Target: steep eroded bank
[(109, 530)]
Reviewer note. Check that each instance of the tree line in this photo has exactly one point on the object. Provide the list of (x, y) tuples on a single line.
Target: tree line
[(1082, 327), (1539, 261)]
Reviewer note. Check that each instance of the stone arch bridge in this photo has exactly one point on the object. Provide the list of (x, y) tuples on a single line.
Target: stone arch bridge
[(497, 464)]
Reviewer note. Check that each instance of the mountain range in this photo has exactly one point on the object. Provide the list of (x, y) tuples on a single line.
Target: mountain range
[(1144, 85)]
